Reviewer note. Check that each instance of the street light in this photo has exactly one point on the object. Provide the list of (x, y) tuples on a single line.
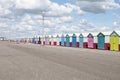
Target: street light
[(43, 31), (43, 15)]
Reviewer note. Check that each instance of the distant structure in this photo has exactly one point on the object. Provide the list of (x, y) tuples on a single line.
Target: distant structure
[(2, 38)]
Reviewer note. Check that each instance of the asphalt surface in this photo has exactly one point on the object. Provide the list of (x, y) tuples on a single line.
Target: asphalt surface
[(36, 62)]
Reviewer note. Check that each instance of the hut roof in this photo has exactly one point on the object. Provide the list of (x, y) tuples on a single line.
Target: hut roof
[(81, 35), (114, 33), (67, 35), (90, 35), (74, 35), (57, 36), (100, 34)]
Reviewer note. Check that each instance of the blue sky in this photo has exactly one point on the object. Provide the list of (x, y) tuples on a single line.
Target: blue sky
[(100, 19), (23, 18)]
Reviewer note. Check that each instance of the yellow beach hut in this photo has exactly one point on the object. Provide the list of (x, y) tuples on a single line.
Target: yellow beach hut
[(114, 41)]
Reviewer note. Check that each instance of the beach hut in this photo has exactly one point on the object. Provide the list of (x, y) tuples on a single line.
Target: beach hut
[(62, 40), (90, 41), (74, 40), (46, 40), (114, 41), (36, 40), (81, 41), (107, 40), (42, 40), (33, 39), (39, 40), (101, 41), (57, 40), (30, 40), (49, 40), (52, 40), (67, 40)]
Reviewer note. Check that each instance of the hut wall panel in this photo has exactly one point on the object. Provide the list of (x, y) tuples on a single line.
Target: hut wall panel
[(95, 39), (47, 40), (39, 42), (70, 44), (52, 41), (55, 43), (95, 45), (85, 39), (64, 43), (44, 42), (85, 44), (77, 39), (58, 41), (107, 39), (77, 44), (107, 46), (119, 47), (119, 40), (70, 39)]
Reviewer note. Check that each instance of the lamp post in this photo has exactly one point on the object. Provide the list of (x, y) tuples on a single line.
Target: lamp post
[(43, 33), (43, 24)]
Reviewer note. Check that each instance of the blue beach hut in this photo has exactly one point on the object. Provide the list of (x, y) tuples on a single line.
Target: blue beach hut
[(74, 40), (101, 41), (67, 40), (36, 40), (81, 41), (62, 40), (33, 40)]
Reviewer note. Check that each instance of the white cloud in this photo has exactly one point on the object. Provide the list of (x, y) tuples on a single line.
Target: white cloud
[(32, 4), (3, 25), (97, 6), (4, 11), (116, 24), (20, 17), (58, 10), (65, 19), (75, 8), (86, 26)]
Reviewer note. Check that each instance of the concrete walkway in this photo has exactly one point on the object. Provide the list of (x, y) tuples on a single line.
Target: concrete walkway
[(35, 62)]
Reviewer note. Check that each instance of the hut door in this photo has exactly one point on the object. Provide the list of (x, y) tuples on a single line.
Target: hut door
[(81, 42), (74, 42), (67, 41), (114, 41), (90, 42), (101, 41), (62, 41)]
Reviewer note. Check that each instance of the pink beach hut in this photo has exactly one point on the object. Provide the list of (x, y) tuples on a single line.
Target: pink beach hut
[(90, 41)]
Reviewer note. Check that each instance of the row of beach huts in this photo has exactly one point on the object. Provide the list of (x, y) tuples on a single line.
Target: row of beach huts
[(101, 40)]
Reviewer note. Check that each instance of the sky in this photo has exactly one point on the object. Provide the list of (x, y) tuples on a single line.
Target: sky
[(24, 18)]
